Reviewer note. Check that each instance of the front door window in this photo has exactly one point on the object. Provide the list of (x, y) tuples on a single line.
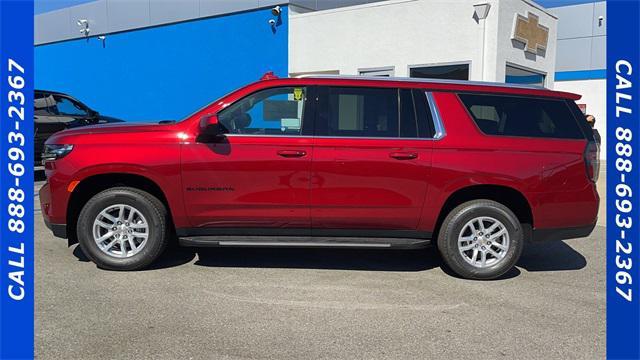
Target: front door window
[(275, 111)]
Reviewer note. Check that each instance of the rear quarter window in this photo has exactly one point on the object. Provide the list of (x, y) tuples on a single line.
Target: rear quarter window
[(505, 115)]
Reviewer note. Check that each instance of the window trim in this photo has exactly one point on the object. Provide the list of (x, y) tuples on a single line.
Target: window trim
[(473, 121), (438, 125)]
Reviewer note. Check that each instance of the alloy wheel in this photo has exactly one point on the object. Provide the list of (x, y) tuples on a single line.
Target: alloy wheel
[(120, 231), (483, 241)]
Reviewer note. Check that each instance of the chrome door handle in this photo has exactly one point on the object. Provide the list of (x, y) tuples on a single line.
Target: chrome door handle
[(292, 153), (404, 155)]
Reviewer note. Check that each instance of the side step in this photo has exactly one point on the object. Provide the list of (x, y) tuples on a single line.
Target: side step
[(302, 242)]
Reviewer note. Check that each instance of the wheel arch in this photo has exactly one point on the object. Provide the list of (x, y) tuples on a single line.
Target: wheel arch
[(94, 184), (505, 195)]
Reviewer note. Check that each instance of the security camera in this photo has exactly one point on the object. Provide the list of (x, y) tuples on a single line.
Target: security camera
[(84, 27), (272, 22), (276, 11)]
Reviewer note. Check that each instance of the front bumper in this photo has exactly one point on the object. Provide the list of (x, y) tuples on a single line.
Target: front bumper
[(59, 230)]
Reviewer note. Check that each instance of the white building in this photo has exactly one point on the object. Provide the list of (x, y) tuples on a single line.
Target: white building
[(515, 42), (483, 40), (582, 59)]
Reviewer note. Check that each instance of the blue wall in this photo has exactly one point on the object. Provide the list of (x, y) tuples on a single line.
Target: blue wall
[(165, 72), (558, 3), (581, 75)]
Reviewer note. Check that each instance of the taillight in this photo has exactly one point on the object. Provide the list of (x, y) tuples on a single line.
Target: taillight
[(592, 160)]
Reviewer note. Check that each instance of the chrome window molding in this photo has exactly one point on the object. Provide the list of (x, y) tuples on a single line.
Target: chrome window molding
[(438, 126), (330, 137)]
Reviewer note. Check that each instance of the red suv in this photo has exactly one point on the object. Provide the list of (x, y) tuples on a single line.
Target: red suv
[(476, 168)]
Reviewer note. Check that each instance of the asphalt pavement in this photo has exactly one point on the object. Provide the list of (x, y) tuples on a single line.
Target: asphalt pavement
[(320, 304)]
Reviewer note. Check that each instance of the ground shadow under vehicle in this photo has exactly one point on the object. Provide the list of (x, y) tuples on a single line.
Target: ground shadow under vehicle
[(547, 256)]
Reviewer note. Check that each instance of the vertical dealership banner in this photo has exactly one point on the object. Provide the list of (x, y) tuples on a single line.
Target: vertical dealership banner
[(16, 179), (623, 180)]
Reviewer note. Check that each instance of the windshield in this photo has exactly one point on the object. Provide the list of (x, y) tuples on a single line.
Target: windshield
[(209, 104)]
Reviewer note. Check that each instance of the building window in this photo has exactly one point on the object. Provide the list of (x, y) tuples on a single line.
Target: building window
[(315, 73), (516, 75), (383, 72), (450, 72)]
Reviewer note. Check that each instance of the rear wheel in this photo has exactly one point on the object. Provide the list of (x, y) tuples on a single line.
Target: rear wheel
[(481, 239), (123, 229)]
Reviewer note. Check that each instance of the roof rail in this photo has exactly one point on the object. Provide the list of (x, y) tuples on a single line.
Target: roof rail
[(423, 80)]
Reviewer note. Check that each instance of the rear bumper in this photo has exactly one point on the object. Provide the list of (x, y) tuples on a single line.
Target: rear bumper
[(565, 209), (539, 235)]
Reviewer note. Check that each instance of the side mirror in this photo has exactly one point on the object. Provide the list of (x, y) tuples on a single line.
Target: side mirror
[(208, 123), (211, 129)]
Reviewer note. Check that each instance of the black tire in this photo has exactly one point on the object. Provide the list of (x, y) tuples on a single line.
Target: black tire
[(151, 208), (455, 221)]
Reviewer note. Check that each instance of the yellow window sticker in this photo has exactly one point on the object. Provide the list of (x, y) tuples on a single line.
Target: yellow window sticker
[(297, 94)]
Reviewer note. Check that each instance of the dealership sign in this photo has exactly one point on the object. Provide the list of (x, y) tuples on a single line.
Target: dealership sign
[(528, 30), (16, 180), (623, 180)]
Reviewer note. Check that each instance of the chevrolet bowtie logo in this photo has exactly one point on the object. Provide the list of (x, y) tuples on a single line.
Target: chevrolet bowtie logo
[(531, 33)]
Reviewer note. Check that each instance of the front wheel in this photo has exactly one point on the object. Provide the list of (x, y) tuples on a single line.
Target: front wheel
[(123, 228), (481, 239)]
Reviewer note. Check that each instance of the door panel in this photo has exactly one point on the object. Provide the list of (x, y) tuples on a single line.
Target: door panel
[(357, 184), (246, 182), (370, 162), (256, 174)]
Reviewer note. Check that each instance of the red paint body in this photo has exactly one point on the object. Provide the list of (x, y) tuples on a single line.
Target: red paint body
[(337, 183)]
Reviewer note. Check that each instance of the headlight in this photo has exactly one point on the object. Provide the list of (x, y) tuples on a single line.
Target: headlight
[(54, 151)]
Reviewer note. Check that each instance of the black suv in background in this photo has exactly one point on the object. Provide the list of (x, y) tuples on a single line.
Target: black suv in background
[(55, 112)]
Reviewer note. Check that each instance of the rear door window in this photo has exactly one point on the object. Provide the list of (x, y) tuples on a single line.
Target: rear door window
[(522, 116), (409, 122), (372, 113), (426, 122), (362, 112)]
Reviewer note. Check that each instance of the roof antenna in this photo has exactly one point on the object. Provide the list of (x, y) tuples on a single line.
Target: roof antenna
[(269, 75)]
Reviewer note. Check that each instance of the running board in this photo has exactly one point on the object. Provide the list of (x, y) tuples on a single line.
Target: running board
[(302, 242)]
